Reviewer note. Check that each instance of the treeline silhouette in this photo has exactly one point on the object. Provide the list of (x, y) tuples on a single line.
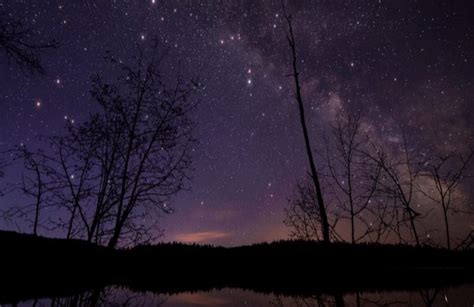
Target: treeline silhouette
[(366, 186), (43, 267)]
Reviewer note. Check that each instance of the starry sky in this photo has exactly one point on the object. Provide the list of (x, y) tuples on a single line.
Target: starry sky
[(406, 63)]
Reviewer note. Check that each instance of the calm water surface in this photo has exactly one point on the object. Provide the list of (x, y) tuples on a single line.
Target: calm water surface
[(116, 296)]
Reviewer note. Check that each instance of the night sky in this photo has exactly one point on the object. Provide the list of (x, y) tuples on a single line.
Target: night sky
[(406, 63)]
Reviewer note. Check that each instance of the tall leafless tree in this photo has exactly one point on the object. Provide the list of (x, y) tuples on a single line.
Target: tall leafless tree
[(447, 174), (141, 145), (314, 174), (111, 174), (353, 177)]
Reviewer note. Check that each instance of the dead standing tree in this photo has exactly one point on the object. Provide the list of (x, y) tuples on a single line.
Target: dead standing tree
[(314, 174)]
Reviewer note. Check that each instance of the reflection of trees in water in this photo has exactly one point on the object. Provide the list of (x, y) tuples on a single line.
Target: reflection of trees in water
[(122, 296), (115, 296), (315, 300), (380, 300), (429, 296), (425, 297)]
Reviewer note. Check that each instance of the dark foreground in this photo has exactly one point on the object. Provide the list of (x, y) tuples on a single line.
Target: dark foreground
[(34, 267)]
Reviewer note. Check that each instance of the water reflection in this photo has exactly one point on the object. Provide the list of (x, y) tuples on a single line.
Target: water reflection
[(121, 296)]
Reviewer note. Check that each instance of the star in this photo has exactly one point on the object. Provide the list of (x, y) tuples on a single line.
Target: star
[(409, 67)]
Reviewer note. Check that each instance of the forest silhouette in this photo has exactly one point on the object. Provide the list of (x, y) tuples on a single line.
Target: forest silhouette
[(44, 267)]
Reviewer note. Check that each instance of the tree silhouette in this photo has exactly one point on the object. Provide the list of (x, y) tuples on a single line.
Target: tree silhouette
[(17, 45), (374, 188), (112, 174), (34, 184), (135, 154), (399, 176), (302, 214), (447, 173), (314, 174), (353, 177)]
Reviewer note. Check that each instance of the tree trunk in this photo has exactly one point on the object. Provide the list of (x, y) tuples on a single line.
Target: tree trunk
[(446, 224), (38, 199), (314, 174), (413, 227), (116, 235), (71, 223)]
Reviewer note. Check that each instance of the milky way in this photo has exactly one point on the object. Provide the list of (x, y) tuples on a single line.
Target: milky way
[(407, 64)]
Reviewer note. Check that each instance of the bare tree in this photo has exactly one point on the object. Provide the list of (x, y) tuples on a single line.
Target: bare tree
[(352, 175), (398, 184), (302, 214), (112, 174), (314, 174), (447, 173), (351, 181), (33, 184), (34, 188), (16, 43), (141, 145)]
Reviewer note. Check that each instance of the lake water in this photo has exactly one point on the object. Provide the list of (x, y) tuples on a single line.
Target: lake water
[(116, 296)]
